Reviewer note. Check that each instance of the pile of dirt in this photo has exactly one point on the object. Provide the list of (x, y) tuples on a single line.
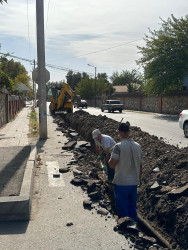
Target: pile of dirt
[(88, 175), (163, 195)]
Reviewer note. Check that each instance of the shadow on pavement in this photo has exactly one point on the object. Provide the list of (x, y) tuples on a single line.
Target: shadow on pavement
[(13, 227), (170, 118), (40, 145), (10, 168)]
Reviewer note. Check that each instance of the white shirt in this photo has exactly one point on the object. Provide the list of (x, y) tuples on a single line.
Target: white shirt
[(129, 156), (106, 142)]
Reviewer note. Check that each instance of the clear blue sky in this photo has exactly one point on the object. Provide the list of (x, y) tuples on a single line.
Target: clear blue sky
[(78, 27)]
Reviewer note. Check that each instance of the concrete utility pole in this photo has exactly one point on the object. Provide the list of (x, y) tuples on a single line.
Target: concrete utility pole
[(95, 83), (41, 69), (95, 87), (34, 89)]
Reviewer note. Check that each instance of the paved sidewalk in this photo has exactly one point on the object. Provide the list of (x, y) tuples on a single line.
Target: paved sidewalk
[(15, 133), (14, 152)]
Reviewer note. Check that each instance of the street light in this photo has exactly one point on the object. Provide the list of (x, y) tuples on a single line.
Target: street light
[(95, 82)]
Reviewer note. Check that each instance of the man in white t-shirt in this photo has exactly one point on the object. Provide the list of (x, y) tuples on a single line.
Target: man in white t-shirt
[(104, 143), (126, 159)]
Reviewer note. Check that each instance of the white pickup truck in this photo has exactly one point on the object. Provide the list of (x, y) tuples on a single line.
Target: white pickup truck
[(183, 121), (112, 105)]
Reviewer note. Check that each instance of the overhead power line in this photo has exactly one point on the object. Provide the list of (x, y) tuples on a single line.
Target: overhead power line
[(97, 51), (47, 65), (28, 29), (47, 14)]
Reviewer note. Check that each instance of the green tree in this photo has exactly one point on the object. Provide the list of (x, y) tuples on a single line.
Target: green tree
[(5, 81), (165, 56), (102, 76), (15, 73), (12, 68), (128, 78), (73, 78), (86, 87)]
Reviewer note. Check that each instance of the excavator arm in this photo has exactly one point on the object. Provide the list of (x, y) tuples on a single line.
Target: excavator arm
[(62, 99), (66, 96)]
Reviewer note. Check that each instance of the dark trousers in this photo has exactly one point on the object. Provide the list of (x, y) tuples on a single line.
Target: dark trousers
[(125, 200)]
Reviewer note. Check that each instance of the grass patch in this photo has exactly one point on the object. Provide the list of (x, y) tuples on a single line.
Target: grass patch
[(33, 124)]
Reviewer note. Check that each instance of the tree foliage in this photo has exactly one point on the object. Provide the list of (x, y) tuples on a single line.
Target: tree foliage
[(12, 68), (86, 87), (103, 76), (128, 78), (12, 73), (165, 56), (5, 81), (74, 78)]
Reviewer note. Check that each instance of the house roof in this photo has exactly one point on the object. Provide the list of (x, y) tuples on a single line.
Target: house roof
[(120, 89), (22, 87)]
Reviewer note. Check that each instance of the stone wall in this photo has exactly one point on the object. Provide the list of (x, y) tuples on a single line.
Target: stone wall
[(174, 104), (171, 104), (3, 108), (150, 104)]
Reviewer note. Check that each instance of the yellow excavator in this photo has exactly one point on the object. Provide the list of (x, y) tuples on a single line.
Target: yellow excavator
[(62, 99)]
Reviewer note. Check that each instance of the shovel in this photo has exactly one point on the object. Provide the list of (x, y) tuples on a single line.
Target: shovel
[(103, 168)]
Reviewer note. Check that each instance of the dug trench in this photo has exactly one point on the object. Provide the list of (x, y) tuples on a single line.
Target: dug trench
[(163, 194)]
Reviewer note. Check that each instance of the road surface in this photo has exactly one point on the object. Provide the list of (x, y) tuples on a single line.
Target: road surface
[(165, 126)]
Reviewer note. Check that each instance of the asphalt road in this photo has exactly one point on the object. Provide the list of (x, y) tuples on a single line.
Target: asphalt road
[(165, 126)]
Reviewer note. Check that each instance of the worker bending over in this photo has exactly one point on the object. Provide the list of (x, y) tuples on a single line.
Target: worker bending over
[(126, 159), (104, 145)]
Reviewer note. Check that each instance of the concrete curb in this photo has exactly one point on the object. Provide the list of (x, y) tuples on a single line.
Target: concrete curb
[(19, 207)]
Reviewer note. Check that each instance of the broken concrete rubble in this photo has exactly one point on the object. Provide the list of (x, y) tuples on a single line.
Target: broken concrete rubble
[(78, 182), (95, 196), (176, 193), (155, 186), (102, 211), (69, 145), (87, 204), (64, 170)]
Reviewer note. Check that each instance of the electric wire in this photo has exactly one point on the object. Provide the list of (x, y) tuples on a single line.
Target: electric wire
[(47, 65), (97, 51), (28, 31), (47, 14)]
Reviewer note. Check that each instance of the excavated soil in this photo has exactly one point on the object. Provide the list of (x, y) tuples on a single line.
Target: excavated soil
[(163, 195)]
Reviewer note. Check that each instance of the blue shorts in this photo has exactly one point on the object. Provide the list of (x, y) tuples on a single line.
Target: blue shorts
[(125, 199)]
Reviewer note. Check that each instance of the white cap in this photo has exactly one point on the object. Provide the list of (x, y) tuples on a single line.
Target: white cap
[(95, 133)]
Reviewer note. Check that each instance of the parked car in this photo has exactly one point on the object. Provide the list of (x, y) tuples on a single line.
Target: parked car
[(112, 105), (82, 104), (183, 121)]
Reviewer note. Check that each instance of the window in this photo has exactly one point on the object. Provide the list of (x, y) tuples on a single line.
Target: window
[(115, 102)]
